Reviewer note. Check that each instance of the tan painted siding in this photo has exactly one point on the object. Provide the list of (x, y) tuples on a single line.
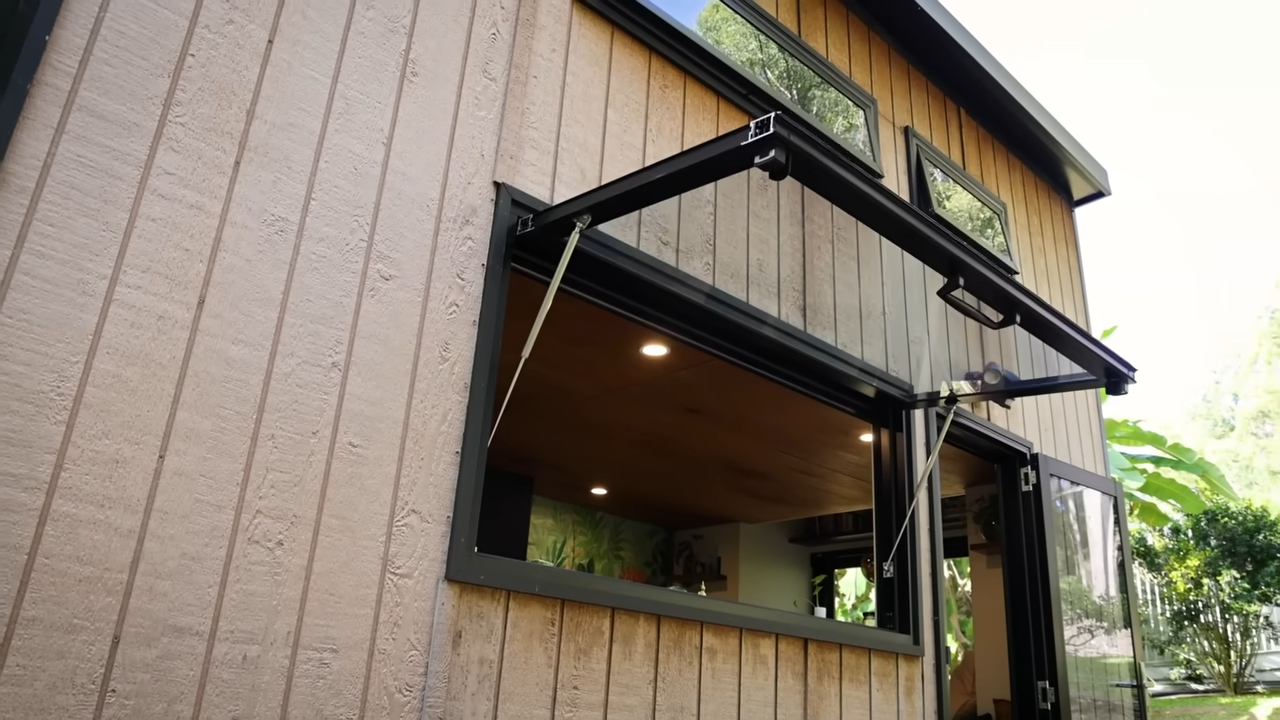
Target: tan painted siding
[(242, 247), (243, 244), (779, 246)]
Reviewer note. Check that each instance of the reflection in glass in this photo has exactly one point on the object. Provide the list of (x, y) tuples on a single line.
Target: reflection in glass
[(966, 211), (755, 53), (1102, 671)]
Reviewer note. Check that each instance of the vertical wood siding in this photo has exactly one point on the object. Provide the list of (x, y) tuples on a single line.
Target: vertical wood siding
[(242, 245), (531, 658), (779, 246)]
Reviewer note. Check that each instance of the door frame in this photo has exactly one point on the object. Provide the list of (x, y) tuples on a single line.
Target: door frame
[(1046, 466), (1009, 453)]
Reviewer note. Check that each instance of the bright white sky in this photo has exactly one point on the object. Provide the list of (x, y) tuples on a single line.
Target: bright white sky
[(1180, 103)]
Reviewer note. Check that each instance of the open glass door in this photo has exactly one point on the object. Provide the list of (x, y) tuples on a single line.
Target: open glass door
[(1088, 620)]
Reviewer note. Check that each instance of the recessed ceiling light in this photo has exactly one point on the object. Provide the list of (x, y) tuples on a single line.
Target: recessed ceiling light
[(655, 349), (866, 437), (597, 490)]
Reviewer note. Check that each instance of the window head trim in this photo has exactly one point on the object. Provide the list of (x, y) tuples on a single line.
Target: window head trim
[(695, 56), (919, 151)]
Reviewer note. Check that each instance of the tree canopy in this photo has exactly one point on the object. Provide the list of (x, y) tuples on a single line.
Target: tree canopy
[(1217, 570)]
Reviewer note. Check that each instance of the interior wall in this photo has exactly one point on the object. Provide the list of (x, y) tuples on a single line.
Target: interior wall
[(724, 541), (990, 629), (775, 572)]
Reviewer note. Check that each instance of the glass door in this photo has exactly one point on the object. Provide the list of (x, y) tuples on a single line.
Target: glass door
[(1088, 620)]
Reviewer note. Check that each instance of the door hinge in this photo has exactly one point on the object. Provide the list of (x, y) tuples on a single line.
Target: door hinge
[(1046, 695), (1028, 478)]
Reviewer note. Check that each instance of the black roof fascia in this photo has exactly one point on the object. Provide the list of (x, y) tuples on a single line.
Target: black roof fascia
[(949, 55)]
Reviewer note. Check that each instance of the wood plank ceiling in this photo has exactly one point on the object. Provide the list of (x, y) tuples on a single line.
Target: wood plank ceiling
[(682, 440)]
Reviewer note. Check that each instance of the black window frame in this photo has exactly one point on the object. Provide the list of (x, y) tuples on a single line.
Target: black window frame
[(919, 150), (22, 46), (691, 53), (626, 281)]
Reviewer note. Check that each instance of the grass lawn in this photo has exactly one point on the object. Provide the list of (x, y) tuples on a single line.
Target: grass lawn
[(1218, 707)]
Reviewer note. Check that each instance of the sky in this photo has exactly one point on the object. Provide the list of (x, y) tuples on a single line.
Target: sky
[(1179, 103)]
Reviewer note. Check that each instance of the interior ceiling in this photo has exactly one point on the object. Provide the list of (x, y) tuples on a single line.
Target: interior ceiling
[(684, 440)]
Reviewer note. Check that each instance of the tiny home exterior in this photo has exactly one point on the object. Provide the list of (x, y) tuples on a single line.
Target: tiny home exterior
[(256, 255)]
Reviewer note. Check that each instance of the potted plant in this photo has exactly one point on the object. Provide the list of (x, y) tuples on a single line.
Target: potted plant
[(818, 610), (986, 515)]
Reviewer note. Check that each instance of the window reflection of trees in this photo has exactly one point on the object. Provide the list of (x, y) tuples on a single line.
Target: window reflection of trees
[(964, 210), (757, 54), (1093, 594)]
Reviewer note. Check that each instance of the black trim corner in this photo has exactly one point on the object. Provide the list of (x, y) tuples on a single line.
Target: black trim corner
[(22, 45)]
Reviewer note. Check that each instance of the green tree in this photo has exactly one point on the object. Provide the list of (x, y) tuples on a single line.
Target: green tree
[(1162, 479), (1237, 419), (1217, 571), (756, 53)]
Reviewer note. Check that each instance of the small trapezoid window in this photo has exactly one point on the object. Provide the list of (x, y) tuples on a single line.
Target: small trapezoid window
[(774, 56), (951, 195)]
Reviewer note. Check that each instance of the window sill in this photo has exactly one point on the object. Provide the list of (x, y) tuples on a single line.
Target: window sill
[(517, 576)]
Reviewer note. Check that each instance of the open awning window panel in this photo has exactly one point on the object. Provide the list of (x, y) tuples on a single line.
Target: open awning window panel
[(1028, 347)]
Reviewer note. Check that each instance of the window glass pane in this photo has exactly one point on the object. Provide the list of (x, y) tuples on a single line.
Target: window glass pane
[(966, 211), (1102, 671), (755, 53), (633, 456)]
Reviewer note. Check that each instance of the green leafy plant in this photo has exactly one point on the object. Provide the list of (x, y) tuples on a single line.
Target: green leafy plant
[(1216, 570), (817, 589), (1162, 479)]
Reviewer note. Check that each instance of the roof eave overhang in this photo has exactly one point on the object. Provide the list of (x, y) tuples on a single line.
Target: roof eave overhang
[(935, 41)]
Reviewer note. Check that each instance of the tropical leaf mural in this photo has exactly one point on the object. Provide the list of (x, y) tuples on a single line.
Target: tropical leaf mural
[(579, 538)]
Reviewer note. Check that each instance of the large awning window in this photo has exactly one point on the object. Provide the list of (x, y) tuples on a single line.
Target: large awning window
[(1051, 353)]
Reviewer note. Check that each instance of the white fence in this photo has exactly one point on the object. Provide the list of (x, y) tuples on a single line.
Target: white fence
[(1153, 618)]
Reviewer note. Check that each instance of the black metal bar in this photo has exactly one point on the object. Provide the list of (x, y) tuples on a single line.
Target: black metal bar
[(1019, 389), (782, 146), (855, 191), (696, 167)]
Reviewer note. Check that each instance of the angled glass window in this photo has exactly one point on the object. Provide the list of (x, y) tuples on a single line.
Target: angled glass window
[(951, 195), (771, 54)]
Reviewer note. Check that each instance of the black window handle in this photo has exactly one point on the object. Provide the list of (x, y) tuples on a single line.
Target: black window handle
[(956, 284)]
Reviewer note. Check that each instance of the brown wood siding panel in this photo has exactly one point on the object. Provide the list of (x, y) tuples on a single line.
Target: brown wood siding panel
[(791, 253), (696, 251), (822, 681), (664, 129), (762, 243), (1011, 418), (731, 221), (757, 698), (922, 114), (586, 93), (895, 301), (855, 684), (633, 666), (463, 675), (791, 677), (530, 650), (531, 120), (679, 669), (721, 673), (624, 123), (583, 669), (884, 686)]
